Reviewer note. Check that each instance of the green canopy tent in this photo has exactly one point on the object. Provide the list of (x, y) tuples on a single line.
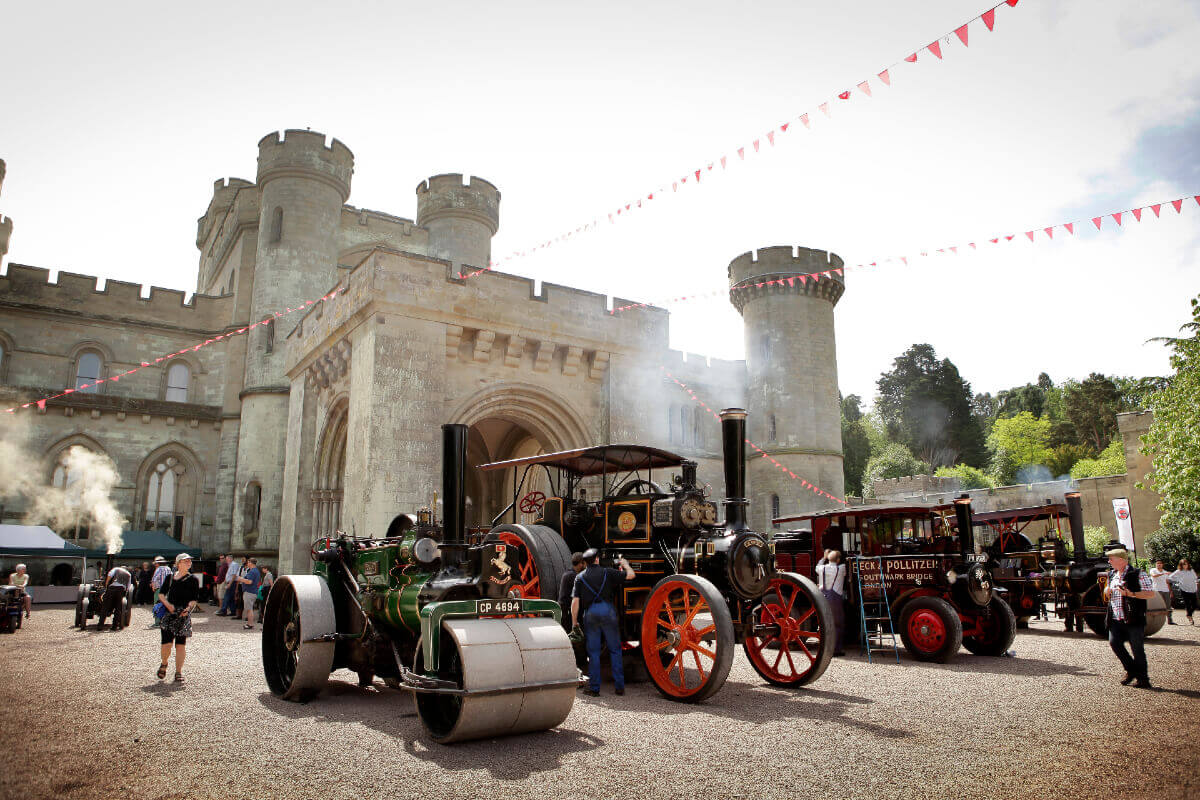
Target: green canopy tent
[(145, 545), (54, 564)]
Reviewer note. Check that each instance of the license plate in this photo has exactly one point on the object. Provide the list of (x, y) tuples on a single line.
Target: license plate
[(977, 558), (505, 606)]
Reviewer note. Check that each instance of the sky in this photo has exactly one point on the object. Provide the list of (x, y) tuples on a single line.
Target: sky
[(116, 119)]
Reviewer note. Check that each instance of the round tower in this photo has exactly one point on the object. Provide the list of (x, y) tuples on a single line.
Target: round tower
[(791, 365), (461, 220), (5, 222), (303, 184)]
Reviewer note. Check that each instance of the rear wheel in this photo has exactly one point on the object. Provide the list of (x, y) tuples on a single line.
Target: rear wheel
[(790, 638), (1097, 623), (299, 610), (687, 638), (930, 629), (541, 557), (1156, 614), (997, 631)]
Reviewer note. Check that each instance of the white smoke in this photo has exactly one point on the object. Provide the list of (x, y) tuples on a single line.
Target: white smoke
[(85, 500)]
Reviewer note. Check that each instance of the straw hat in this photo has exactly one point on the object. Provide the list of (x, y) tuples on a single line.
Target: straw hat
[(182, 557), (159, 560), (1117, 552)]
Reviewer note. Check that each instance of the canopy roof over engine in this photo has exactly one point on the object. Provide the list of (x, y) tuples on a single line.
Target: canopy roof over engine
[(1028, 514), (873, 510), (602, 459)]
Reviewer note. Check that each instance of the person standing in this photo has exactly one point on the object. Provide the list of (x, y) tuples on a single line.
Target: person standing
[(264, 589), (229, 602), (831, 579), (592, 599), (179, 593), (144, 594), (161, 572), (249, 580), (20, 579), (1158, 576), (1185, 578), (565, 585), (1126, 593), (219, 583), (116, 589)]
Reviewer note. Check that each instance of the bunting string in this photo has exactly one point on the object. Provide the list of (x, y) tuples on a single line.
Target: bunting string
[(83, 387), (1119, 219), (763, 453), (761, 143)]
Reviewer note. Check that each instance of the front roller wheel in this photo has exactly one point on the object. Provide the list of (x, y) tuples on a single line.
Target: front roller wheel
[(790, 639), (299, 610), (687, 638), (1156, 615)]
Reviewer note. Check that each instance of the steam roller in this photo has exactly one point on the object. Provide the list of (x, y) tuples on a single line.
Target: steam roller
[(478, 643)]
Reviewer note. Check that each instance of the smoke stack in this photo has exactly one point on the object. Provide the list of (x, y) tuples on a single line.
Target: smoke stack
[(733, 443), (454, 480), (966, 533), (1075, 518)]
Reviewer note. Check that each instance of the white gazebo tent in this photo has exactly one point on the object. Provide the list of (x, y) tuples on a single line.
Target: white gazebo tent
[(55, 565)]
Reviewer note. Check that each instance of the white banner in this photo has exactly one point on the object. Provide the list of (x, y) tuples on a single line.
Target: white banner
[(1124, 521)]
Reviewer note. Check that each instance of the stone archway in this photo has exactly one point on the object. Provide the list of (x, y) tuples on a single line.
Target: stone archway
[(329, 480), (512, 421)]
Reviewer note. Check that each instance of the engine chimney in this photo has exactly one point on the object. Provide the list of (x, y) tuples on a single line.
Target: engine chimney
[(733, 443), (966, 532), (1075, 518), (454, 480)]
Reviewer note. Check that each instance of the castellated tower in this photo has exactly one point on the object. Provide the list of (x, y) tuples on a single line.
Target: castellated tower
[(461, 220), (5, 222), (303, 185), (791, 364)]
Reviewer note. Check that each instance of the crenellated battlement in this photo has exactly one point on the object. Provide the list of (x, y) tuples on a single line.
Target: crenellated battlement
[(443, 196), (779, 270), (781, 259), (224, 192), (81, 294), (3, 171), (304, 154), (6, 226)]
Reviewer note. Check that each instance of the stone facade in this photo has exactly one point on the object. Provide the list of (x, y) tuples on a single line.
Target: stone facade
[(1096, 494), (309, 424)]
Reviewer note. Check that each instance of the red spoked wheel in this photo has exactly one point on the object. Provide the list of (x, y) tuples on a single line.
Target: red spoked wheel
[(532, 503), (790, 639), (931, 629), (687, 638), (527, 582), (536, 556)]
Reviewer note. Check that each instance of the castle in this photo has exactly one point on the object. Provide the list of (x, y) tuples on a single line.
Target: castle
[(327, 418)]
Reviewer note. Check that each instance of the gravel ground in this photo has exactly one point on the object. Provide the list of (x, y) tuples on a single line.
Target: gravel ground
[(92, 720)]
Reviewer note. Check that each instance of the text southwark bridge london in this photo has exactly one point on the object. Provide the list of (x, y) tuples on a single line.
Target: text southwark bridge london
[(262, 442)]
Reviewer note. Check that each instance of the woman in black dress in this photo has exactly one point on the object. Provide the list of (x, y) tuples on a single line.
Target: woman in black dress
[(144, 594), (179, 594)]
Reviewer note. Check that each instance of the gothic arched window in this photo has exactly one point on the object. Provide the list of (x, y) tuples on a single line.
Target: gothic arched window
[(252, 507), (771, 432), (277, 225), (269, 336), (87, 371), (774, 509), (178, 379), (167, 489), (70, 482)]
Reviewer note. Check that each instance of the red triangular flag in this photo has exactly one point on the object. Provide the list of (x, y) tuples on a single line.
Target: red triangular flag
[(824, 108), (626, 208), (804, 119), (995, 241), (936, 48), (865, 88), (885, 77), (911, 59), (1137, 214), (1155, 208), (1178, 206), (1012, 3), (783, 128), (954, 250), (1009, 238), (844, 95), (791, 281), (1049, 231), (710, 166), (803, 279), (1070, 226), (755, 143), (41, 404), (1117, 217), (989, 18), (651, 197), (697, 176), (683, 179), (742, 153), (1197, 199), (838, 271), (674, 186), (115, 378), (972, 245), (962, 34), (904, 259), (1097, 221), (771, 137)]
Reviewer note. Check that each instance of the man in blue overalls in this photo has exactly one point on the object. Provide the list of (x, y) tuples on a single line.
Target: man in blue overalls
[(592, 600)]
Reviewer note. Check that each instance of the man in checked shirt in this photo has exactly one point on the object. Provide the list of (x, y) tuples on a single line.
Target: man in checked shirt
[(1127, 591)]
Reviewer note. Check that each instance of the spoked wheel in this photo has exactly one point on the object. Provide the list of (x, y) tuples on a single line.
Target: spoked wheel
[(790, 639), (930, 629), (687, 638), (997, 630), (538, 561), (299, 610)]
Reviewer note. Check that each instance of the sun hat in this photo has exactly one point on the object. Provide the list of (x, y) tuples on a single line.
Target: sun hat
[(159, 560), (182, 557), (1117, 552)]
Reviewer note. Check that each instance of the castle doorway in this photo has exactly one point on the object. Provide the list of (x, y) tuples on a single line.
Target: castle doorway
[(328, 483)]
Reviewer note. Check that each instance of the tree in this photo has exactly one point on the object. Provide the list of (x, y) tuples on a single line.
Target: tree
[(893, 460), (1110, 462), (926, 406), (856, 446), (1172, 440), (1173, 544), (1135, 393), (968, 477), (1095, 537), (1030, 397), (1064, 456), (1024, 436), (1091, 407)]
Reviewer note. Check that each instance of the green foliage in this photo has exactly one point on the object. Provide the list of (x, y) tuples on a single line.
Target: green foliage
[(1095, 537), (1023, 436), (1172, 439), (893, 460), (968, 477), (1003, 467), (1136, 392), (926, 406), (1110, 462), (1172, 544), (1030, 397), (856, 446), (1091, 407), (1064, 456)]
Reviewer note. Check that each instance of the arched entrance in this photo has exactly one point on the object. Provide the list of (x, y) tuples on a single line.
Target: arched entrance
[(512, 421), (328, 483)]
